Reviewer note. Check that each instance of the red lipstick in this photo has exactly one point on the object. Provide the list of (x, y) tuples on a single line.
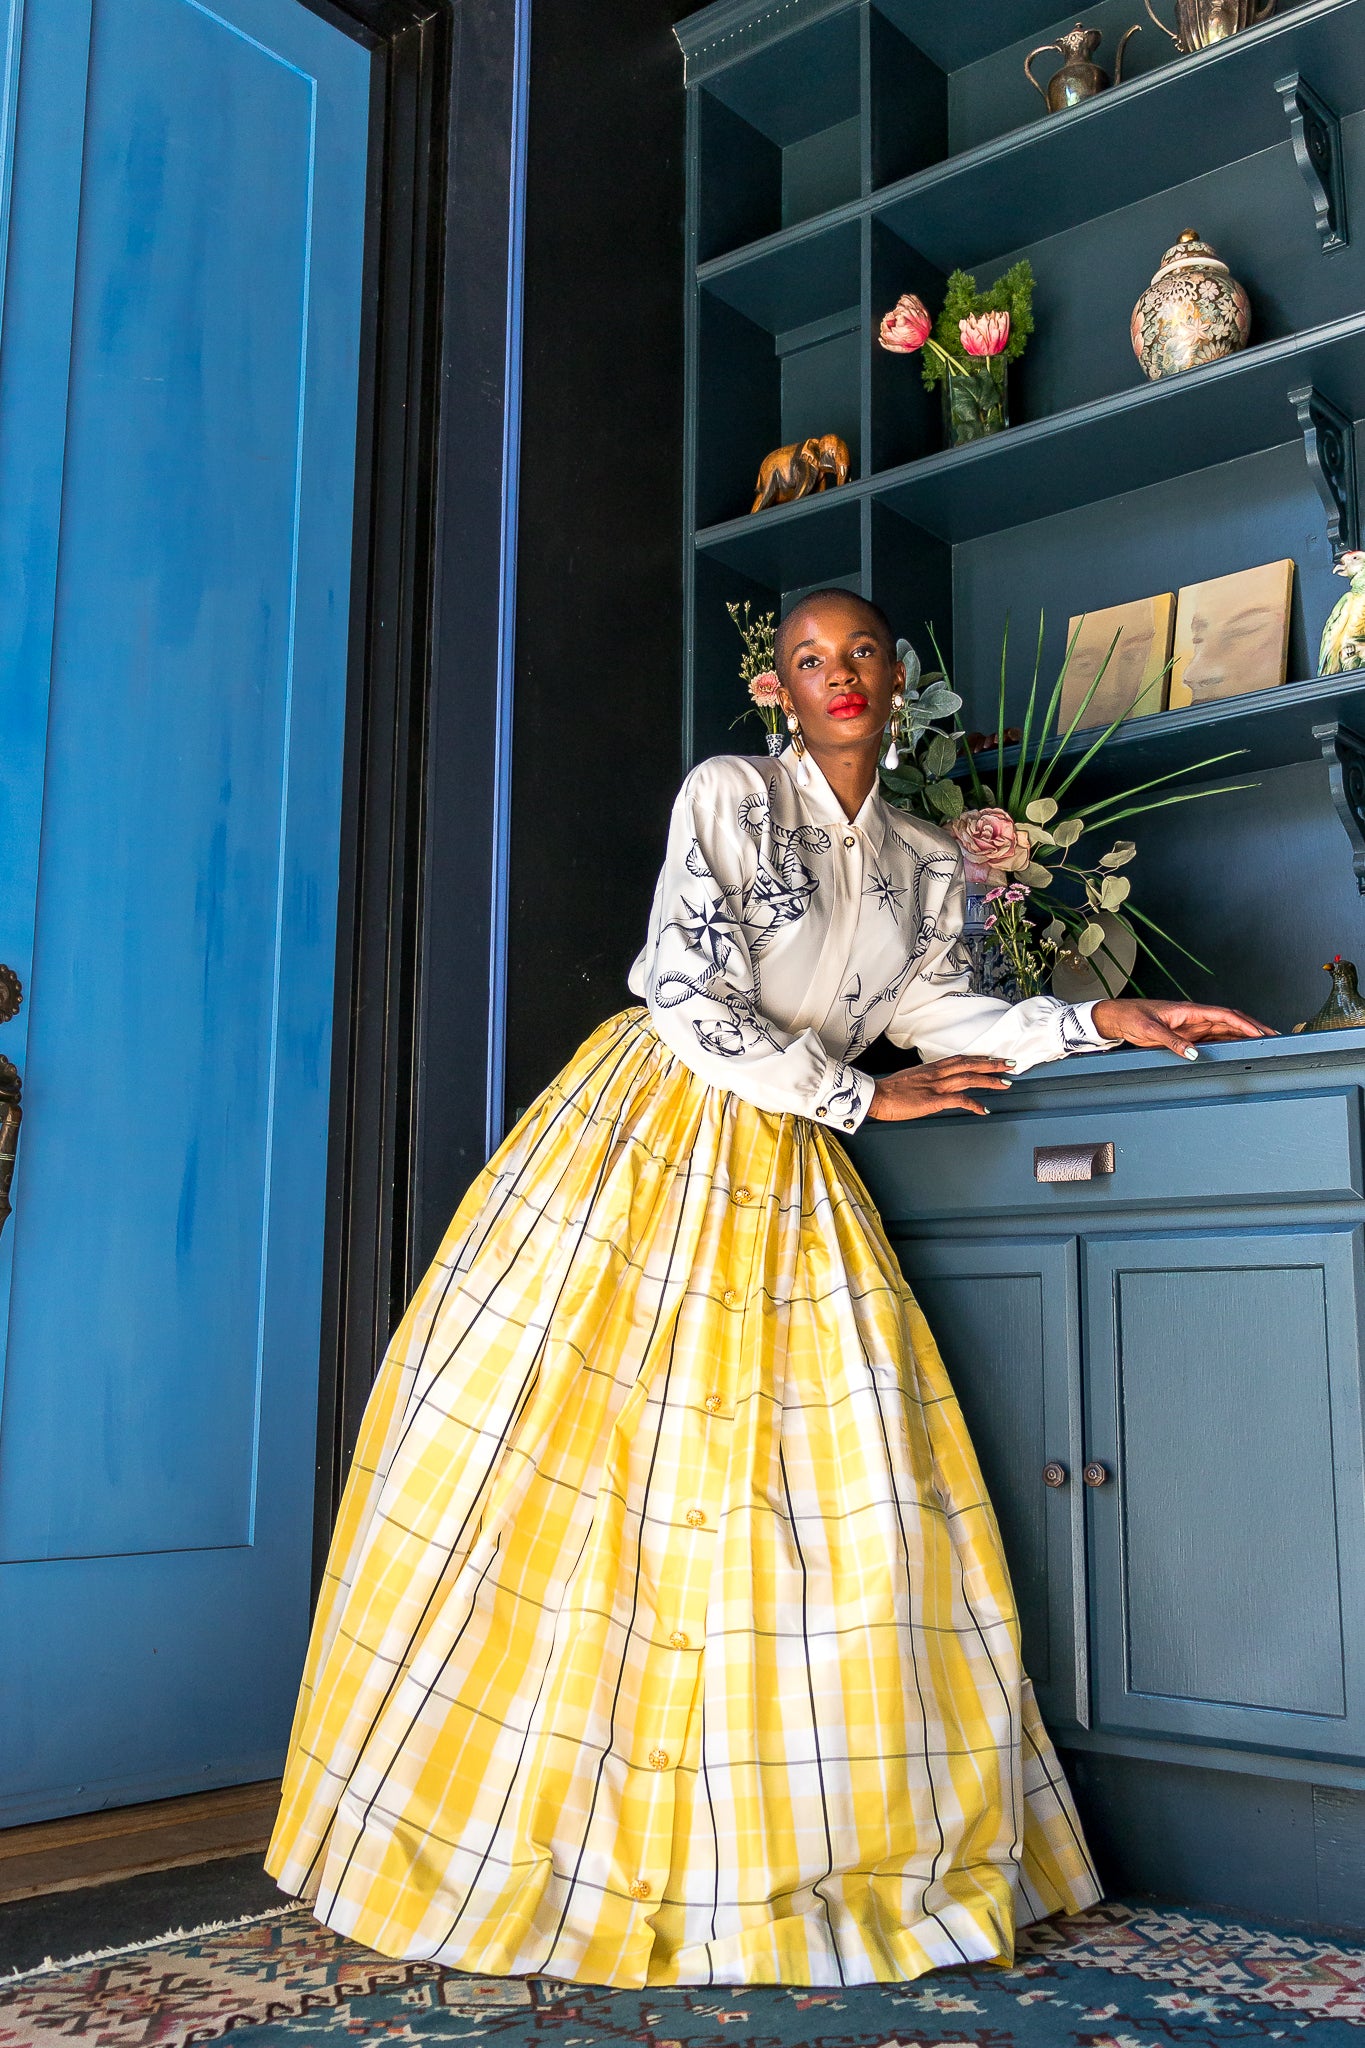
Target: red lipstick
[(848, 704)]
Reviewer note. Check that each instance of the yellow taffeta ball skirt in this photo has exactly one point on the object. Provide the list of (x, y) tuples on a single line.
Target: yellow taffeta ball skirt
[(666, 1636)]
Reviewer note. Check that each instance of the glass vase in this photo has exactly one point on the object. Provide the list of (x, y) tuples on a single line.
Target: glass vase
[(976, 400)]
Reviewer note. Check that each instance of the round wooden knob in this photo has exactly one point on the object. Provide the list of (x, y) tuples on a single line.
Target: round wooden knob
[(1095, 1474), (1054, 1474)]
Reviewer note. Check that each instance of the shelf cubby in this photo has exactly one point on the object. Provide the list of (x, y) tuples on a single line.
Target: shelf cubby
[(780, 355), (779, 135)]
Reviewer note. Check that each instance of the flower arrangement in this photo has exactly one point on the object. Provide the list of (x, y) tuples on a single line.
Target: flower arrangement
[(758, 634), (977, 334), (1021, 850)]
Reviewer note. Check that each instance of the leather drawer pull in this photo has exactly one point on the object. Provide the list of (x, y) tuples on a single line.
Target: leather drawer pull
[(1071, 1162)]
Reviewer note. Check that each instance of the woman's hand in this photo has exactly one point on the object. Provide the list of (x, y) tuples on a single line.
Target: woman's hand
[(1177, 1025), (939, 1085)]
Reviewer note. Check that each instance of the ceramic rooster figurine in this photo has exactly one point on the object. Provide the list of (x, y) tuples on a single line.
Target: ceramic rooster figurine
[(1343, 637), (1344, 1009)]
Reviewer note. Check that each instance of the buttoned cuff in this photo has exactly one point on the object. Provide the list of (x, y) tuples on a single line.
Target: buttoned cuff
[(844, 1100), (1079, 1033)]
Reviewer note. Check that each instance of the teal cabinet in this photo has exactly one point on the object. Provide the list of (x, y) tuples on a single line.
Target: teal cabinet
[(1227, 1544), (1005, 1317), (1183, 1337)]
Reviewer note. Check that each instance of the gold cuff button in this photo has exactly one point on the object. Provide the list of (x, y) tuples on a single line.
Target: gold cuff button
[(849, 1123), (729, 1297), (743, 1195), (822, 1111), (639, 1890), (678, 1639), (695, 1518), (658, 1759), (713, 1404), (849, 839)]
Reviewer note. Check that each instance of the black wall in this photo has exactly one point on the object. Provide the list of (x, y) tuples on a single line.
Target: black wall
[(596, 746)]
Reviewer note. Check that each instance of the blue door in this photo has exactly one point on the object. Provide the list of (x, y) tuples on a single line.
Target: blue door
[(183, 193)]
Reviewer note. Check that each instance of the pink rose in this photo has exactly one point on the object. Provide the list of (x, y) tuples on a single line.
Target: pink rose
[(906, 327), (991, 843), (984, 334), (765, 689)]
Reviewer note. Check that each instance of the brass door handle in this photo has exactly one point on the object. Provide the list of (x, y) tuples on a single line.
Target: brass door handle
[(1054, 1474), (1053, 1163), (1096, 1474)]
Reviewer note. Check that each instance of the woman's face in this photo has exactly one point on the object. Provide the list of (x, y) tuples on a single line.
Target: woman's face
[(838, 675), (1235, 647)]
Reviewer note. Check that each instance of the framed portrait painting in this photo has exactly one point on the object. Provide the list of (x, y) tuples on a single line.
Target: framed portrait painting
[(1131, 680), (1232, 634)]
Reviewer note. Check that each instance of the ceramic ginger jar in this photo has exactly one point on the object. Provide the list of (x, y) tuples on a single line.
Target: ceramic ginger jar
[(1192, 312)]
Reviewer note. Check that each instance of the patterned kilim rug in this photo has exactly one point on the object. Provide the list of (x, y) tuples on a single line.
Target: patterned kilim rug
[(1119, 1976)]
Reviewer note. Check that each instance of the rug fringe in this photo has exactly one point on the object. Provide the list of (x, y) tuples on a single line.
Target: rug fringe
[(51, 1966)]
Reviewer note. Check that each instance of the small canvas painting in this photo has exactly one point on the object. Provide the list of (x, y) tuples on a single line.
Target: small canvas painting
[(1133, 682), (1232, 634)]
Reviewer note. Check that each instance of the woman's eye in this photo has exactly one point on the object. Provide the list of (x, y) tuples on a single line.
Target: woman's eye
[(809, 661)]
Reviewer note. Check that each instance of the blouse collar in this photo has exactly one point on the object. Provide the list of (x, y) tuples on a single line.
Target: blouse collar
[(818, 800)]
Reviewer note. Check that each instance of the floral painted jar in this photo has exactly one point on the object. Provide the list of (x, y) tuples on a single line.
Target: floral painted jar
[(1192, 312)]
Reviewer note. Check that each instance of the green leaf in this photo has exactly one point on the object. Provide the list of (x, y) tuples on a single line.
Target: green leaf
[(1113, 890), (1189, 796), (940, 755), (1126, 795), (1035, 876), (1090, 940), (946, 798), (1055, 933), (1119, 854), (1042, 810), (1069, 831)]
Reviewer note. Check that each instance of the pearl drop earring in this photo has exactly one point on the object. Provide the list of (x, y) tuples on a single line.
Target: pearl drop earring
[(893, 756)]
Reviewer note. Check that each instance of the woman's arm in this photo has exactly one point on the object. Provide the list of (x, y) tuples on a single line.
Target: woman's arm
[(704, 996), (975, 1042)]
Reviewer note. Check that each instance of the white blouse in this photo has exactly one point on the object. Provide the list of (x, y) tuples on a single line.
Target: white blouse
[(783, 939)]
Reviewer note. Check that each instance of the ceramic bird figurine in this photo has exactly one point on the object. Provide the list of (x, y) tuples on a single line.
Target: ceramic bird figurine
[(1343, 637), (1344, 1009)]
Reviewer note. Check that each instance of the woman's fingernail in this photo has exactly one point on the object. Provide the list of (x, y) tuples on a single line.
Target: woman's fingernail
[(1189, 1053)]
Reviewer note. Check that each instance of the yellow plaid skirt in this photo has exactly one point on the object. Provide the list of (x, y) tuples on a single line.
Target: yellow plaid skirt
[(666, 1636)]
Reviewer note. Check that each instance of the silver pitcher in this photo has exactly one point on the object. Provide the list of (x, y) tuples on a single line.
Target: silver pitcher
[(1079, 76), (1198, 23)]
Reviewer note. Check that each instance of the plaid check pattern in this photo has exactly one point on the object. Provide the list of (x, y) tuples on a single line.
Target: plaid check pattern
[(666, 1636)]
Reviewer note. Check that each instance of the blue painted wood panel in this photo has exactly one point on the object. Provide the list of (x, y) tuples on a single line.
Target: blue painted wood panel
[(1228, 1547), (178, 386), (1005, 1319), (1262, 1147)]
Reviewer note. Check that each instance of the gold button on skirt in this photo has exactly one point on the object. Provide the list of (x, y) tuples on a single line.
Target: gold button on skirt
[(860, 1787)]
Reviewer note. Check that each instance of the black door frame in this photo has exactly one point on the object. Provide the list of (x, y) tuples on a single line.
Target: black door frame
[(428, 710)]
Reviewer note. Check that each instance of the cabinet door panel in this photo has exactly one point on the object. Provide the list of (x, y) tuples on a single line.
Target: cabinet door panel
[(1223, 1393), (1004, 1319)]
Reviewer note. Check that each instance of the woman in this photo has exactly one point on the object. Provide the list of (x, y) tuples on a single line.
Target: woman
[(666, 1636)]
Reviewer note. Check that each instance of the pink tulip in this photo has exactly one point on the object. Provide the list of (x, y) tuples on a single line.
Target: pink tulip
[(906, 327), (984, 334), (765, 689)]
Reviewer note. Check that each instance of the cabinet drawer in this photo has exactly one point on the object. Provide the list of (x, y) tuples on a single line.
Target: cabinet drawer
[(1253, 1148)]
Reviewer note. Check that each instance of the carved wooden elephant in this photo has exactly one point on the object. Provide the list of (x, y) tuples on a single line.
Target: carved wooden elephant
[(803, 467)]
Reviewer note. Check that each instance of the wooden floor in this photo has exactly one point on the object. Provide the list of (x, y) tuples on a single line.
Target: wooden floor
[(92, 1848)]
